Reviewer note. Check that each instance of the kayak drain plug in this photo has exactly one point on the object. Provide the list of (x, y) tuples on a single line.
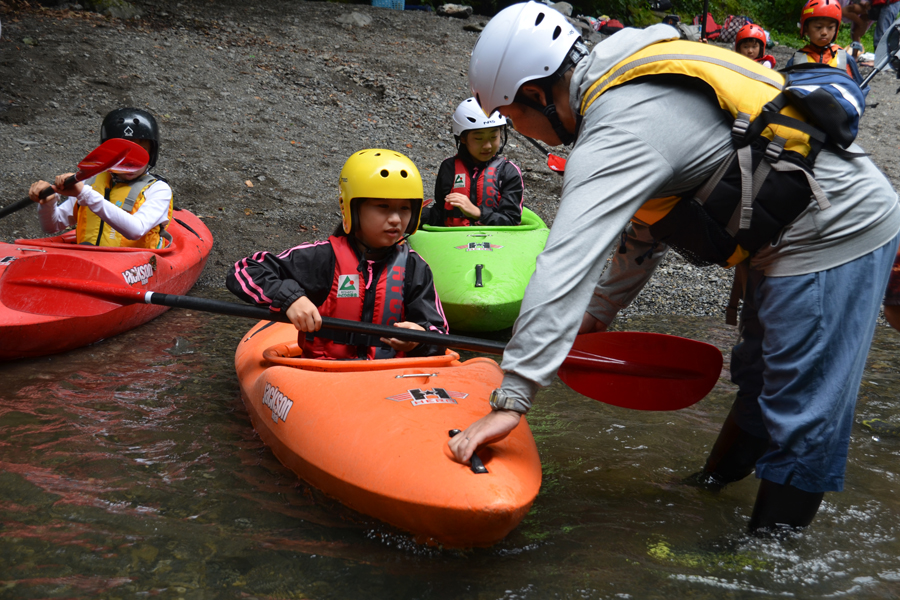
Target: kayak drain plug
[(475, 463)]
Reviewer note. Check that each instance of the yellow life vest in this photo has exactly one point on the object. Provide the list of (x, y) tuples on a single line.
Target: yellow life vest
[(717, 225), (127, 195), (742, 86)]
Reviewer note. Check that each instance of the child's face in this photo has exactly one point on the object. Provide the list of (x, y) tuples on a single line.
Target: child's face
[(382, 222), (821, 31), (750, 48), (482, 144)]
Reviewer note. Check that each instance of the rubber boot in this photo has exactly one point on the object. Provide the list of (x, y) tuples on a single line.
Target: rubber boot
[(732, 458), (783, 505)]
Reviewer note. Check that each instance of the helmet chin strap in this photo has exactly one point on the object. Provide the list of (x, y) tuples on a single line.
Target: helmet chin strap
[(565, 137), (552, 116)]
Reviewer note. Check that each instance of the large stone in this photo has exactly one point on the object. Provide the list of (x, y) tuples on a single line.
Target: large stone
[(563, 7), (459, 11), (118, 9), (355, 19)]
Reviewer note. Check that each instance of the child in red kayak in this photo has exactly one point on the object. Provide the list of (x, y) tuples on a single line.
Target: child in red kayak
[(114, 210), (820, 21), (751, 42), (476, 186), (355, 274)]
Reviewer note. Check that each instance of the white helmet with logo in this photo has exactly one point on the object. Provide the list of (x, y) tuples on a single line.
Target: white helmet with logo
[(523, 42), (469, 116)]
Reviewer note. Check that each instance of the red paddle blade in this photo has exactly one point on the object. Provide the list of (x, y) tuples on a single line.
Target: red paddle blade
[(64, 286), (117, 155), (650, 371), (556, 163)]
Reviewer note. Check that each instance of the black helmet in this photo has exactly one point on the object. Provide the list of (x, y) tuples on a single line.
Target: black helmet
[(132, 124)]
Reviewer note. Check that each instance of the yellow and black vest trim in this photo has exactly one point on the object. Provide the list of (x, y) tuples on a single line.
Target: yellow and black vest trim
[(127, 195), (762, 187)]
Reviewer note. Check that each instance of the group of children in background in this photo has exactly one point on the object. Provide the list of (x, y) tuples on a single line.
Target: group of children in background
[(355, 273)]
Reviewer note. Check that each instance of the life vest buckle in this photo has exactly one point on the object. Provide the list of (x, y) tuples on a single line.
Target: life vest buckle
[(774, 150), (740, 127)]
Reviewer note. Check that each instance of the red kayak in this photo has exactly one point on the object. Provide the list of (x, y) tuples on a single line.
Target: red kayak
[(27, 331)]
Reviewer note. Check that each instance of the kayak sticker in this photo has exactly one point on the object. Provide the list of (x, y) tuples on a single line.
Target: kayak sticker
[(459, 181), (419, 397), (475, 246), (7, 259), (278, 402), (141, 273), (348, 286)]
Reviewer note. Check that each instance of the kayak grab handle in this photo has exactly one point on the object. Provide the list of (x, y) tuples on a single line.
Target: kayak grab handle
[(475, 463), (478, 269), (415, 375)]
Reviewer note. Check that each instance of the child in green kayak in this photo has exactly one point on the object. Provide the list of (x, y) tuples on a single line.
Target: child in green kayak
[(354, 275), (477, 186)]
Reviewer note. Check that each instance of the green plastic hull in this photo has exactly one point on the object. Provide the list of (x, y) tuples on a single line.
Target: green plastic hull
[(508, 256)]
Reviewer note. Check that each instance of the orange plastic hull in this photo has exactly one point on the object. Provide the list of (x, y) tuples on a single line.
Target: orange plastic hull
[(373, 435)]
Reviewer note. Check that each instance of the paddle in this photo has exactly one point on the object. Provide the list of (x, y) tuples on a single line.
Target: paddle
[(889, 45), (121, 155), (643, 371), (555, 163)]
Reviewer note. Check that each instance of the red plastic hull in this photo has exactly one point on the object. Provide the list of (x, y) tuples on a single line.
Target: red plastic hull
[(24, 335)]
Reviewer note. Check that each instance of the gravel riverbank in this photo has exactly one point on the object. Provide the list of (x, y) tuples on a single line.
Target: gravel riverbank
[(260, 103)]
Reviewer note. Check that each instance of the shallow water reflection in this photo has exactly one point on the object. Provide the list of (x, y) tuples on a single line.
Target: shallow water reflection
[(130, 468)]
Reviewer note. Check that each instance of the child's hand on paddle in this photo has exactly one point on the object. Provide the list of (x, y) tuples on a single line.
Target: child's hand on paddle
[(34, 192), (400, 345), (304, 315), (59, 185)]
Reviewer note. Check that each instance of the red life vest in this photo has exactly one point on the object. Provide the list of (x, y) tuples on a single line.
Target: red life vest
[(766, 57), (485, 192), (347, 300), (882, 2)]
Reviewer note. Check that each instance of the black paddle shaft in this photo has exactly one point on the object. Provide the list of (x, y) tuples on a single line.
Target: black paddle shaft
[(17, 206), (264, 314)]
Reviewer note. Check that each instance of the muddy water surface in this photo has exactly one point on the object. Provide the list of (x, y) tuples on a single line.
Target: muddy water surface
[(130, 469)]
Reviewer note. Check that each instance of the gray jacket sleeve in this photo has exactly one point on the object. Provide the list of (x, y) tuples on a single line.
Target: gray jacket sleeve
[(627, 273), (605, 184)]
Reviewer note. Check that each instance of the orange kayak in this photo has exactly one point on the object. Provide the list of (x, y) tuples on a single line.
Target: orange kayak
[(373, 435)]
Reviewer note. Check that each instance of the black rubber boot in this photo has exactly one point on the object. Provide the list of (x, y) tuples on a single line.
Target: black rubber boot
[(732, 458), (781, 505)]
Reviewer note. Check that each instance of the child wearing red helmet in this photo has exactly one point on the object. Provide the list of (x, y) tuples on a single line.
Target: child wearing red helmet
[(820, 21), (751, 42)]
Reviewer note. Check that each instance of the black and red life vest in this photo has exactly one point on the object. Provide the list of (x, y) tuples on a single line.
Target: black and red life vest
[(346, 300), (485, 192)]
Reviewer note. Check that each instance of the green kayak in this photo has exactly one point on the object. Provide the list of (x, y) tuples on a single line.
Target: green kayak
[(481, 272)]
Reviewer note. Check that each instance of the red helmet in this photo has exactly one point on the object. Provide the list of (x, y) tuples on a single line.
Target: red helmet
[(826, 9), (751, 31)]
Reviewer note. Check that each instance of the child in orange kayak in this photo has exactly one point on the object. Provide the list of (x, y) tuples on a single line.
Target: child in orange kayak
[(114, 210), (820, 21), (751, 42), (476, 186), (354, 274)]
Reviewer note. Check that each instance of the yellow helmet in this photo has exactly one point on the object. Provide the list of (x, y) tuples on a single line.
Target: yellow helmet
[(379, 173)]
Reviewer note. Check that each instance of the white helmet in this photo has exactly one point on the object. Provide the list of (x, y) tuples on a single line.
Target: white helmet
[(469, 116), (523, 42)]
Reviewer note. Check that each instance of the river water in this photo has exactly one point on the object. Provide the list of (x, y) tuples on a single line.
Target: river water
[(129, 469)]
